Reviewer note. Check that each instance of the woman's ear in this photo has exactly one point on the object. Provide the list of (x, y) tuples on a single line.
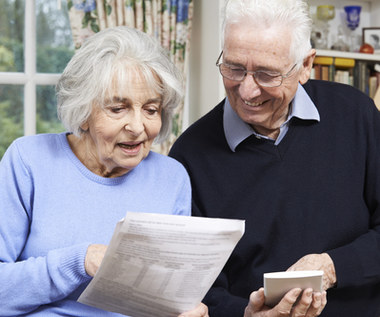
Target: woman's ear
[(307, 66), (84, 126)]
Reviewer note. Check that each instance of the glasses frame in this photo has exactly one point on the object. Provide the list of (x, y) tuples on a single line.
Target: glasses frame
[(253, 73)]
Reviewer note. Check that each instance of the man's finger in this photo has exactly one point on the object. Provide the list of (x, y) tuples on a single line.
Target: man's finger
[(284, 307)]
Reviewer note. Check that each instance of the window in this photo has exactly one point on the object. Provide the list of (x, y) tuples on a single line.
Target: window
[(35, 46)]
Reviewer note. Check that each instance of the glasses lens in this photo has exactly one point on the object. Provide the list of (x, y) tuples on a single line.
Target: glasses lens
[(231, 72), (267, 80), (262, 78)]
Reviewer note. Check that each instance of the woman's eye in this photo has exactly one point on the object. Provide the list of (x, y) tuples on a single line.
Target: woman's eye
[(152, 111), (116, 109)]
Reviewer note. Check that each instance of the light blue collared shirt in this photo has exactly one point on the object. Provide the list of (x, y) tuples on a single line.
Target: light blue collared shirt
[(236, 130)]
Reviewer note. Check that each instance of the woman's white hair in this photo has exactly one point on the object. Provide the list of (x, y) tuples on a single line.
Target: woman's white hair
[(113, 56), (291, 14)]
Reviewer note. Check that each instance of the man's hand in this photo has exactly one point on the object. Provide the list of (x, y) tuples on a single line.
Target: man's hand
[(308, 304), (200, 311), (321, 262)]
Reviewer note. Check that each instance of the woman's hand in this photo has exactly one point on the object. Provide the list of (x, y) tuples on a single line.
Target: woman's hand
[(309, 304), (94, 256), (200, 311)]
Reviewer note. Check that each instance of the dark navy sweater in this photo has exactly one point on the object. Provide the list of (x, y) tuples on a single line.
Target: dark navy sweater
[(317, 191)]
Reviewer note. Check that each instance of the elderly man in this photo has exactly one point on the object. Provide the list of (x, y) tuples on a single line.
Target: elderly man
[(298, 159)]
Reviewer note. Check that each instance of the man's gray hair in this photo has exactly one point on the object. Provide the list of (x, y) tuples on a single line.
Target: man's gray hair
[(291, 14)]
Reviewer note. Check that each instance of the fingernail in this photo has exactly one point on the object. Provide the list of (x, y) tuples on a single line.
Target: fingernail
[(297, 291)]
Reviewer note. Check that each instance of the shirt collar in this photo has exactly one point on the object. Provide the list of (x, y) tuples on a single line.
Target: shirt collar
[(236, 130)]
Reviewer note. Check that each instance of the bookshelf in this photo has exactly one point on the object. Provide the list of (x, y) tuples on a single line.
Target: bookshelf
[(355, 56), (355, 69), (362, 74)]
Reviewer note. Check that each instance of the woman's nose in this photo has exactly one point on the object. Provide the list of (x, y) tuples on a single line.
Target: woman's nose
[(135, 124)]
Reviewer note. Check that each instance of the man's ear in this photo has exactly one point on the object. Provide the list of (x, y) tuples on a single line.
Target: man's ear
[(307, 66)]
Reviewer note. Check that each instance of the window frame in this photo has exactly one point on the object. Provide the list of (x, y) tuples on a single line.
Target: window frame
[(30, 79)]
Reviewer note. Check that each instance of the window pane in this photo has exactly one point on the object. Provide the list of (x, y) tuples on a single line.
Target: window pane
[(54, 41), (47, 120), (11, 115), (12, 35)]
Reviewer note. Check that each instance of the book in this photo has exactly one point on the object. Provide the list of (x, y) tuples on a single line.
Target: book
[(277, 284), (372, 86), (377, 98), (323, 60), (317, 71), (329, 68), (325, 72), (344, 62), (336, 61)]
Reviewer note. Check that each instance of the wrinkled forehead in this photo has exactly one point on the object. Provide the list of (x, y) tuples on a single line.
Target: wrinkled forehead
[(129, 77), (251, 31), (247, 41)]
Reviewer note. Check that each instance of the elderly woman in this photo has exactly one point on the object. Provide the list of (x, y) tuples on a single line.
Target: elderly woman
[(62, 194)]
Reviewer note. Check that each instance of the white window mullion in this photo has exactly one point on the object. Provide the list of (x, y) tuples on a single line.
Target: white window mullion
[(30, 95), (46, 79), (12, 78)]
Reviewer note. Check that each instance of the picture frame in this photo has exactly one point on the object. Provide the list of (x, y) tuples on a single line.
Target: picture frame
[(372, 36)]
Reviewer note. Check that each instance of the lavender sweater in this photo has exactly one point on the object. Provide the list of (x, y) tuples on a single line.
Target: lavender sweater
[(52, 207)]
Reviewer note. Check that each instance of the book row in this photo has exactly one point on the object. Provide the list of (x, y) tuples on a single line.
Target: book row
[(364, 75)]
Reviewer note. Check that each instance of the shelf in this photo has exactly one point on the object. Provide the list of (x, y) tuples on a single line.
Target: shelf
[(359, 56)]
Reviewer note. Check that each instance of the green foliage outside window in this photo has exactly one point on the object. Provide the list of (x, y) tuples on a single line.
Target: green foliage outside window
[(54, 50)]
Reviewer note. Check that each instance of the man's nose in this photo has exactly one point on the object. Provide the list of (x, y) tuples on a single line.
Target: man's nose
[(249, 88)]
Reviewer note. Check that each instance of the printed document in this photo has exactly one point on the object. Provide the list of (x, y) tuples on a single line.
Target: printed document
[(161, 265)]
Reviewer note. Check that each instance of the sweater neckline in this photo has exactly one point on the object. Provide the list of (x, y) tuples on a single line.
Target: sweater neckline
[(84, 170)]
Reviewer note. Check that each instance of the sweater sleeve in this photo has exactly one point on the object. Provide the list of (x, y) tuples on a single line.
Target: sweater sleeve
[(358, 263), (183, 201), (27, 284)]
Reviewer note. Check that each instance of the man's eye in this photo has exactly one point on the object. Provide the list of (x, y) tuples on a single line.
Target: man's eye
[(266, 76), (237, 70), (269, 74)]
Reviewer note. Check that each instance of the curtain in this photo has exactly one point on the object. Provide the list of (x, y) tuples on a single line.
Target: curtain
[(169, 21)]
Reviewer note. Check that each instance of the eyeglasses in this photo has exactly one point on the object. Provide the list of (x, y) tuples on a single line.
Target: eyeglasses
[(262, 78)]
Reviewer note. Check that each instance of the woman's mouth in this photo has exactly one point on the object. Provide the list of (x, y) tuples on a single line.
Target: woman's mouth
[(131, 148)]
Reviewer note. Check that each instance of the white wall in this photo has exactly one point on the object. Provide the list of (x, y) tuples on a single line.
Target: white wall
[(205, 89), (375, 13)]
